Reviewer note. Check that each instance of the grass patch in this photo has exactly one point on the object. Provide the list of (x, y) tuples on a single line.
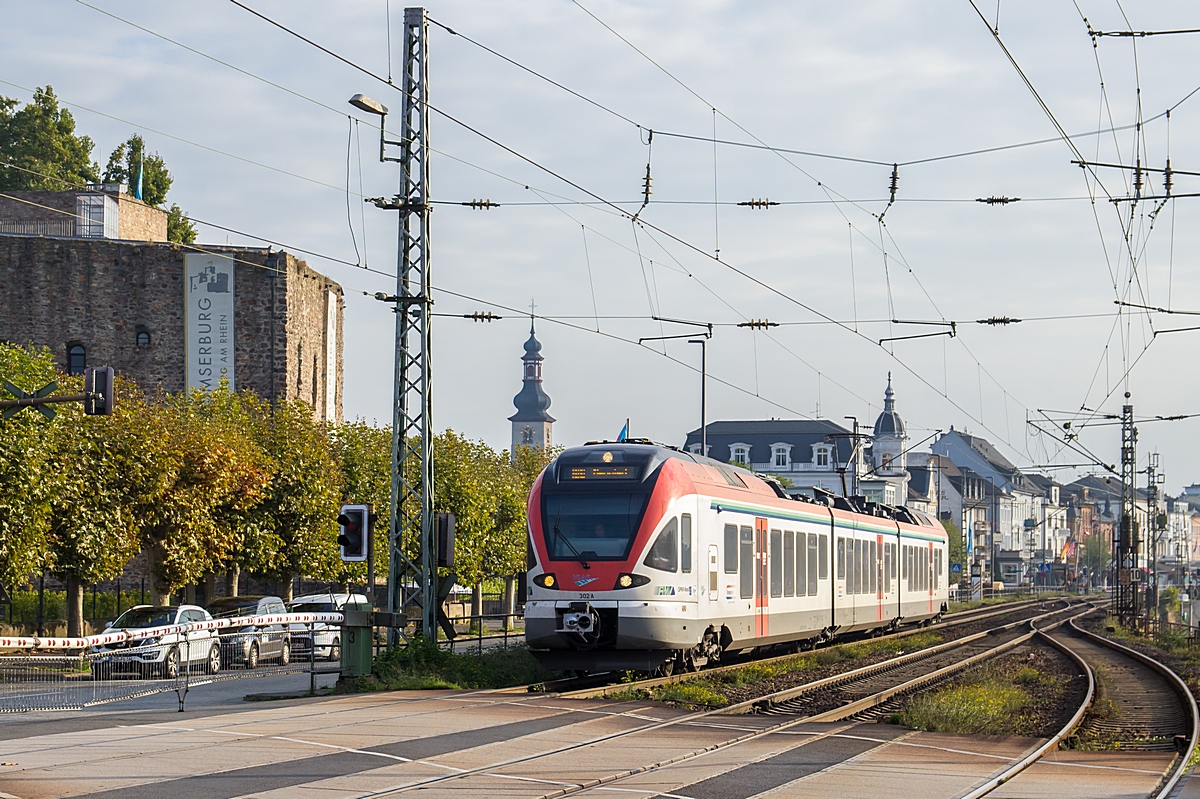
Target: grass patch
[(966, 709), (690, 695), (423, 666), (711, 690)]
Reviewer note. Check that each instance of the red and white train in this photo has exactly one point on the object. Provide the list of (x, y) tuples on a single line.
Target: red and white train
[(645, 557)]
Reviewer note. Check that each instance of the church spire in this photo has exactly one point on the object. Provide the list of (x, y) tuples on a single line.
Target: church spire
[(532, 421)]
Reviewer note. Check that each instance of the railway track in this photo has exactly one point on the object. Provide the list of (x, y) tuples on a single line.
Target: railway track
[(897, 675), (1146, 708), (599, 686)]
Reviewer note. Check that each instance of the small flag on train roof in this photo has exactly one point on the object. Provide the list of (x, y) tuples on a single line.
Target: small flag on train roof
[(624, 434)]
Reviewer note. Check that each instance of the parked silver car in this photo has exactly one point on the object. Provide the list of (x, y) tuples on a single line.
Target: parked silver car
[(159, 656), (328, 637), (251, 645)]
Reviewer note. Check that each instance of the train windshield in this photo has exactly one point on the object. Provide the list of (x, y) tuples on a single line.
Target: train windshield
[(591, 526)]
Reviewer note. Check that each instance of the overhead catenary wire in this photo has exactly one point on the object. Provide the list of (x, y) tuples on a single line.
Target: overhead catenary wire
[(557, 175)]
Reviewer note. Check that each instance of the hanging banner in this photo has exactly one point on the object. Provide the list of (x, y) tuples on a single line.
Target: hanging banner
[(208, 299)]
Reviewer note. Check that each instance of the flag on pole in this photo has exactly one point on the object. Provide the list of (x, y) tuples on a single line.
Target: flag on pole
[(141, 168), (624, 434)]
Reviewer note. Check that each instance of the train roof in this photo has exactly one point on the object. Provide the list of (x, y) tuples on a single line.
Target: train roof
[(649, 456)]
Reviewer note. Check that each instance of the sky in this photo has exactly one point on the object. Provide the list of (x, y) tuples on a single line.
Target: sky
[(266, 143)]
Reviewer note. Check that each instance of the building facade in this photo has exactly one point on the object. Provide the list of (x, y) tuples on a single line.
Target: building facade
[(174, 317)]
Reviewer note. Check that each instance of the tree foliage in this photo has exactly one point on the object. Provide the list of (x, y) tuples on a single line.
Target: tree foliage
[(40, 140), (129, 160), (222, 481), (180, 229), (27, 476)]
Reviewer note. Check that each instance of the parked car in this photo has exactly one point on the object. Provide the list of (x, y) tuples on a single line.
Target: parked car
[(328, 637), (159, 656), (250, 645)]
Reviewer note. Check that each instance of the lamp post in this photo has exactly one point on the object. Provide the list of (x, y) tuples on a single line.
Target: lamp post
[(703, 342)]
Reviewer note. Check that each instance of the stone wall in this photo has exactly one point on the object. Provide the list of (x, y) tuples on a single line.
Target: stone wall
[(102, 293), (136, 220), (140, 222)]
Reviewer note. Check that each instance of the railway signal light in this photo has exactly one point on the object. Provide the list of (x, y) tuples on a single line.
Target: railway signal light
[(98, 391), (445, 523), (354, 535)]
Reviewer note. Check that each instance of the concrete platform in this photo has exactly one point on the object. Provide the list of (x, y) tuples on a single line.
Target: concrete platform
[(522, 747)]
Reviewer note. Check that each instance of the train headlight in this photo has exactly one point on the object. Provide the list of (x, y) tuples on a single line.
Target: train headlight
[(630, 581), (545, 581)]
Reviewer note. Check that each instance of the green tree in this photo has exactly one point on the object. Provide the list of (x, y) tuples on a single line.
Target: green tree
[(130, 159), (364, 452), (40, 140), (1095, 557), (199, 469), (101, 464), (957, 550), (299, 510), (127, 162), (27, 476), (180, 229)]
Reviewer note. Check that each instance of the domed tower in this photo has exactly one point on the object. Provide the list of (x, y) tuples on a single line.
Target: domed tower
[(531, 424), (890, 439)]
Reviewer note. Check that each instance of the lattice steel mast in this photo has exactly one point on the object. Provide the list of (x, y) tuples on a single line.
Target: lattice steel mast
[(1125, 549), (413, 582)]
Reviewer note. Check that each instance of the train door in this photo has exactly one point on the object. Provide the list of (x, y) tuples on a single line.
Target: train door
[(843, 599), (714, 589), (761, 586), (877, 566)]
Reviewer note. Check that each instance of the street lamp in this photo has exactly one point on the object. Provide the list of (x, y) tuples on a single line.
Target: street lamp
[(372, 106), (707, 334), (703, 342)]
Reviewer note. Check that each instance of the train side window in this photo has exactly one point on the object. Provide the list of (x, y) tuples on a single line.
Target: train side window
[(937, 569), (841, 558), (873, 566), (824, 555), (813, 568), (864, 567), (903, 563), (685, 543), (789, 563), (664, 553), (923, 569), (802, 564), (731, 551), (746, 561), (776, 564), (887, 568), (852, 565)]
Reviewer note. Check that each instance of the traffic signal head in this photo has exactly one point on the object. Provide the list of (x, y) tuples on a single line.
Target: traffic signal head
[(354, 535), (98, 390)]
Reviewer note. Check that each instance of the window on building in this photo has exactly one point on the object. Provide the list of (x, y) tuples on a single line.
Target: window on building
[(76, 359), (142, 339), (782, 459), (822, 458), (740, 454), (694, 449)]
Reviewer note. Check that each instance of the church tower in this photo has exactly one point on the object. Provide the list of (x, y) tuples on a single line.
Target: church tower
[(531, 424), (891, 439)]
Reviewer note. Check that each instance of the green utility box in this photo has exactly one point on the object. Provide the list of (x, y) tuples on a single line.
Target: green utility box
[(356, 639)]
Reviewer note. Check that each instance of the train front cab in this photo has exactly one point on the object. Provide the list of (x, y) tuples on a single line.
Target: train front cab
[(613, 560)]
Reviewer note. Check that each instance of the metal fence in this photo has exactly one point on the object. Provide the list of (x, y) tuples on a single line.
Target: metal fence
[(74, 673)]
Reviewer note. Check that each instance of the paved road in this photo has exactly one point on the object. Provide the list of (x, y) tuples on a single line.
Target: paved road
[(455, 743)]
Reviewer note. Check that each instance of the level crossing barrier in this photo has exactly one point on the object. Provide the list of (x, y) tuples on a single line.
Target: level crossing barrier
[(42, 673)]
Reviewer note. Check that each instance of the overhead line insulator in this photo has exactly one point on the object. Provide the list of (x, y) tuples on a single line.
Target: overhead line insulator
[(755, 203), (1001, 200), (481, 316), (1168, 178), (481, 205), (894, 183), (758, 324), (997, 320)]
